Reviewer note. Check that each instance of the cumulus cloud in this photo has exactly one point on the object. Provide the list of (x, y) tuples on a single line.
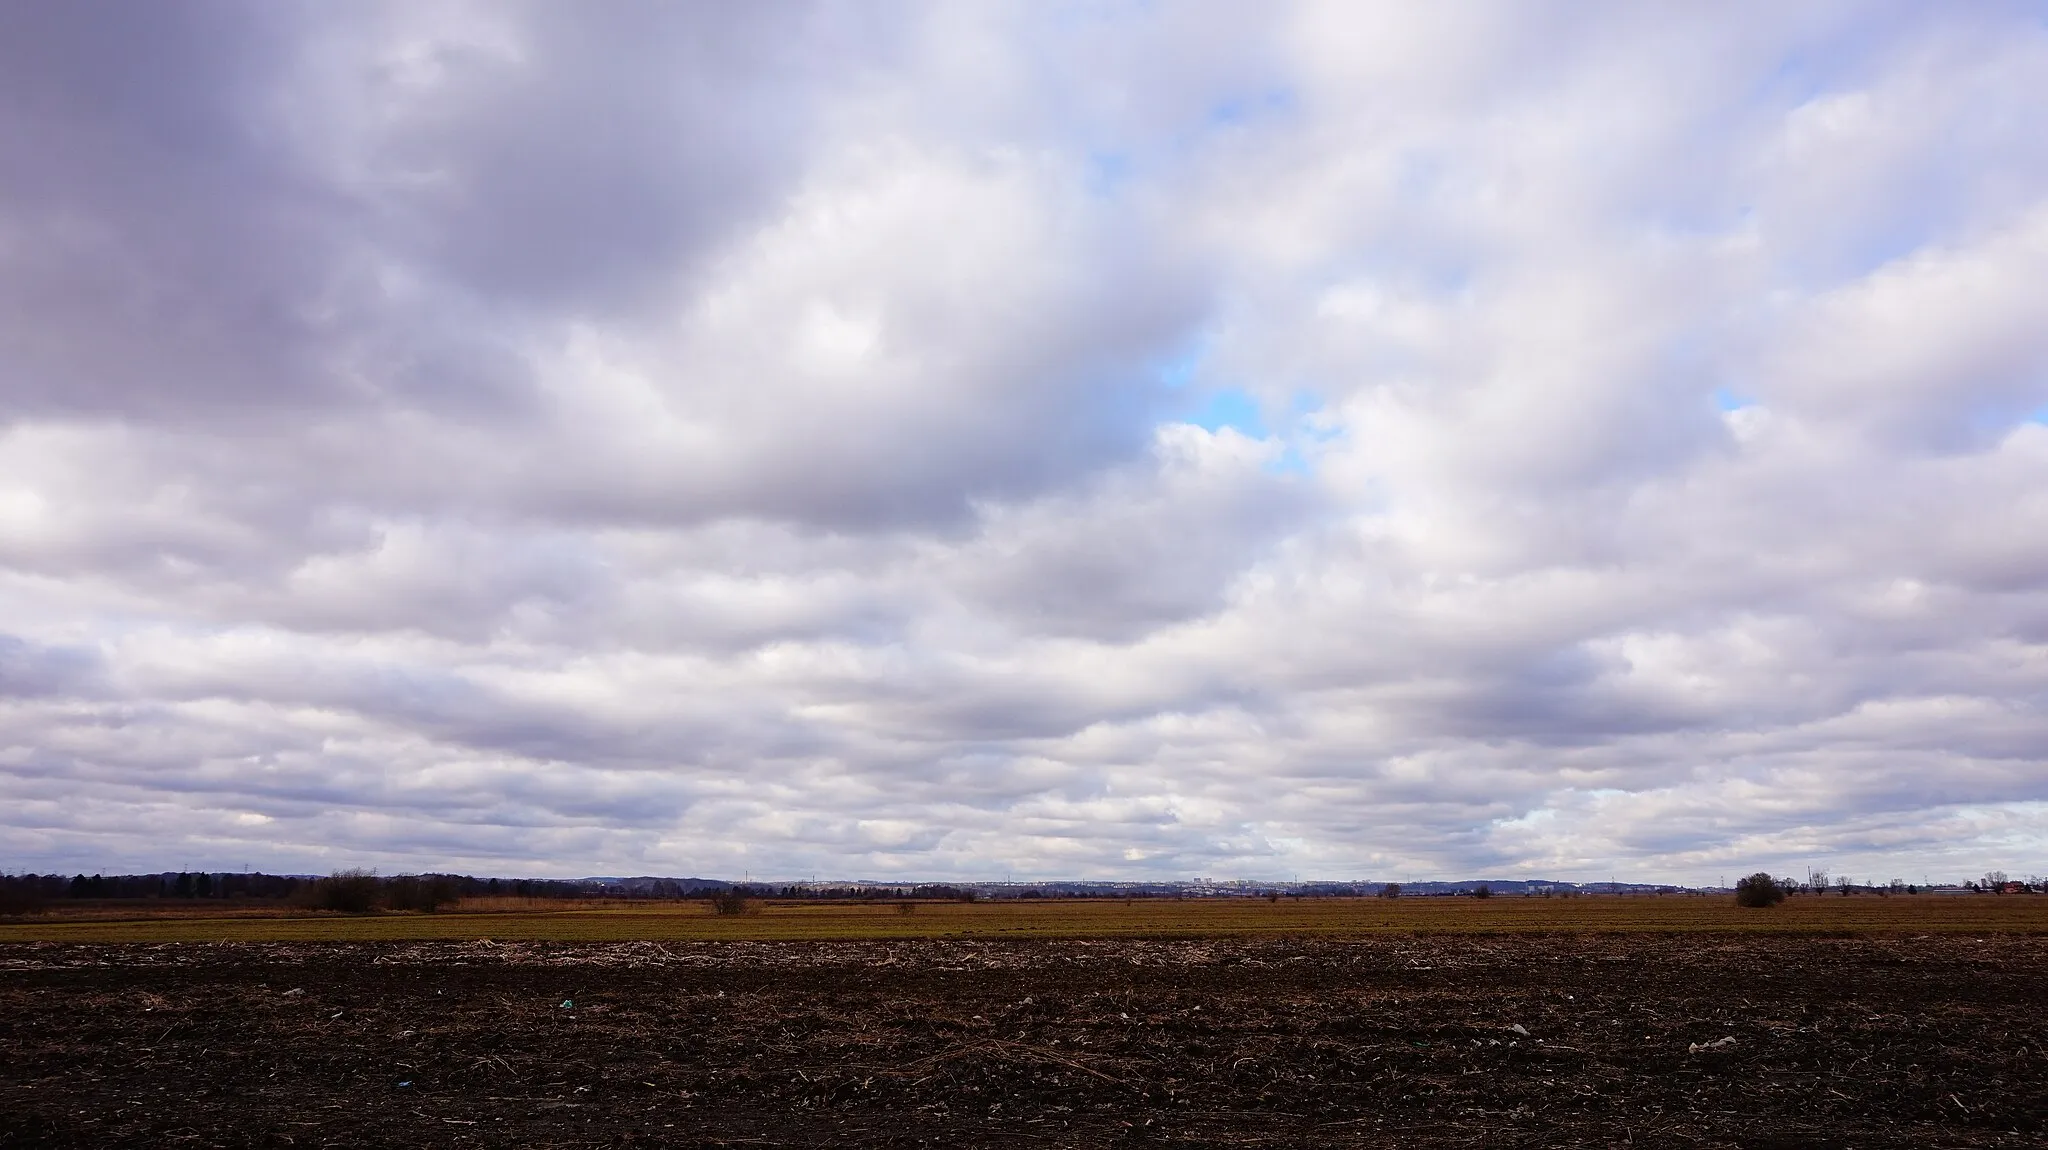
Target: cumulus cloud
[(1364, 441)]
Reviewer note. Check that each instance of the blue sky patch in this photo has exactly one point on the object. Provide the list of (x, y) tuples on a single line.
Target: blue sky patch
[(1231, 407), (1250, 105), (1178, 370), (1238, 410), (1108, 172), (1290, 462), (1727, 399)]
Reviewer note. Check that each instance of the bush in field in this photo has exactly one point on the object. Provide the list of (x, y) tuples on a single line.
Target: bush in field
[(732, 901), (426, 892), (1391, 890), (1759, 889), (348, 891), (1482, 891), (906, 908)]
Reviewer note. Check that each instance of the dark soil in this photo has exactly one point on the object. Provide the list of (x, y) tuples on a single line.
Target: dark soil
[(1860, 1042)]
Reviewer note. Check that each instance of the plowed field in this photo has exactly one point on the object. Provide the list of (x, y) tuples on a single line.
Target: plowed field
[(1565, 1040)]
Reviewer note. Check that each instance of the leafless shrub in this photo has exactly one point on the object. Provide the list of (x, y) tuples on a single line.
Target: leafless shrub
[(1759, 889), (427, 892), (347, 891)]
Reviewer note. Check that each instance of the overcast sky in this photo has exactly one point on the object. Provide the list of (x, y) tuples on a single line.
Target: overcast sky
[(1121, 440)]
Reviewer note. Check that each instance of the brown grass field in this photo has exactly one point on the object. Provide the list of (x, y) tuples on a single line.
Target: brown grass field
[(779, 920)]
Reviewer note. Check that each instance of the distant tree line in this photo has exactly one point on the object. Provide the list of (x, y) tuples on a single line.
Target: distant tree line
[(1765, 889), (41, 889), (362, 890), (357, 891), (344, 890), (181, 885)]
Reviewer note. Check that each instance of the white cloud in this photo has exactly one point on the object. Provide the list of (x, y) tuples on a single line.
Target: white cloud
[(524, 440)]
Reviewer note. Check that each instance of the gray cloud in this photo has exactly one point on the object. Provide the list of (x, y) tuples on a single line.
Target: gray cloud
[(816, 439)]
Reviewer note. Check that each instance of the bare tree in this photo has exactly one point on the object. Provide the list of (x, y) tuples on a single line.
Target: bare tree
[(1817, 879), (426, 892), (1759, 889), (348, 891)]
